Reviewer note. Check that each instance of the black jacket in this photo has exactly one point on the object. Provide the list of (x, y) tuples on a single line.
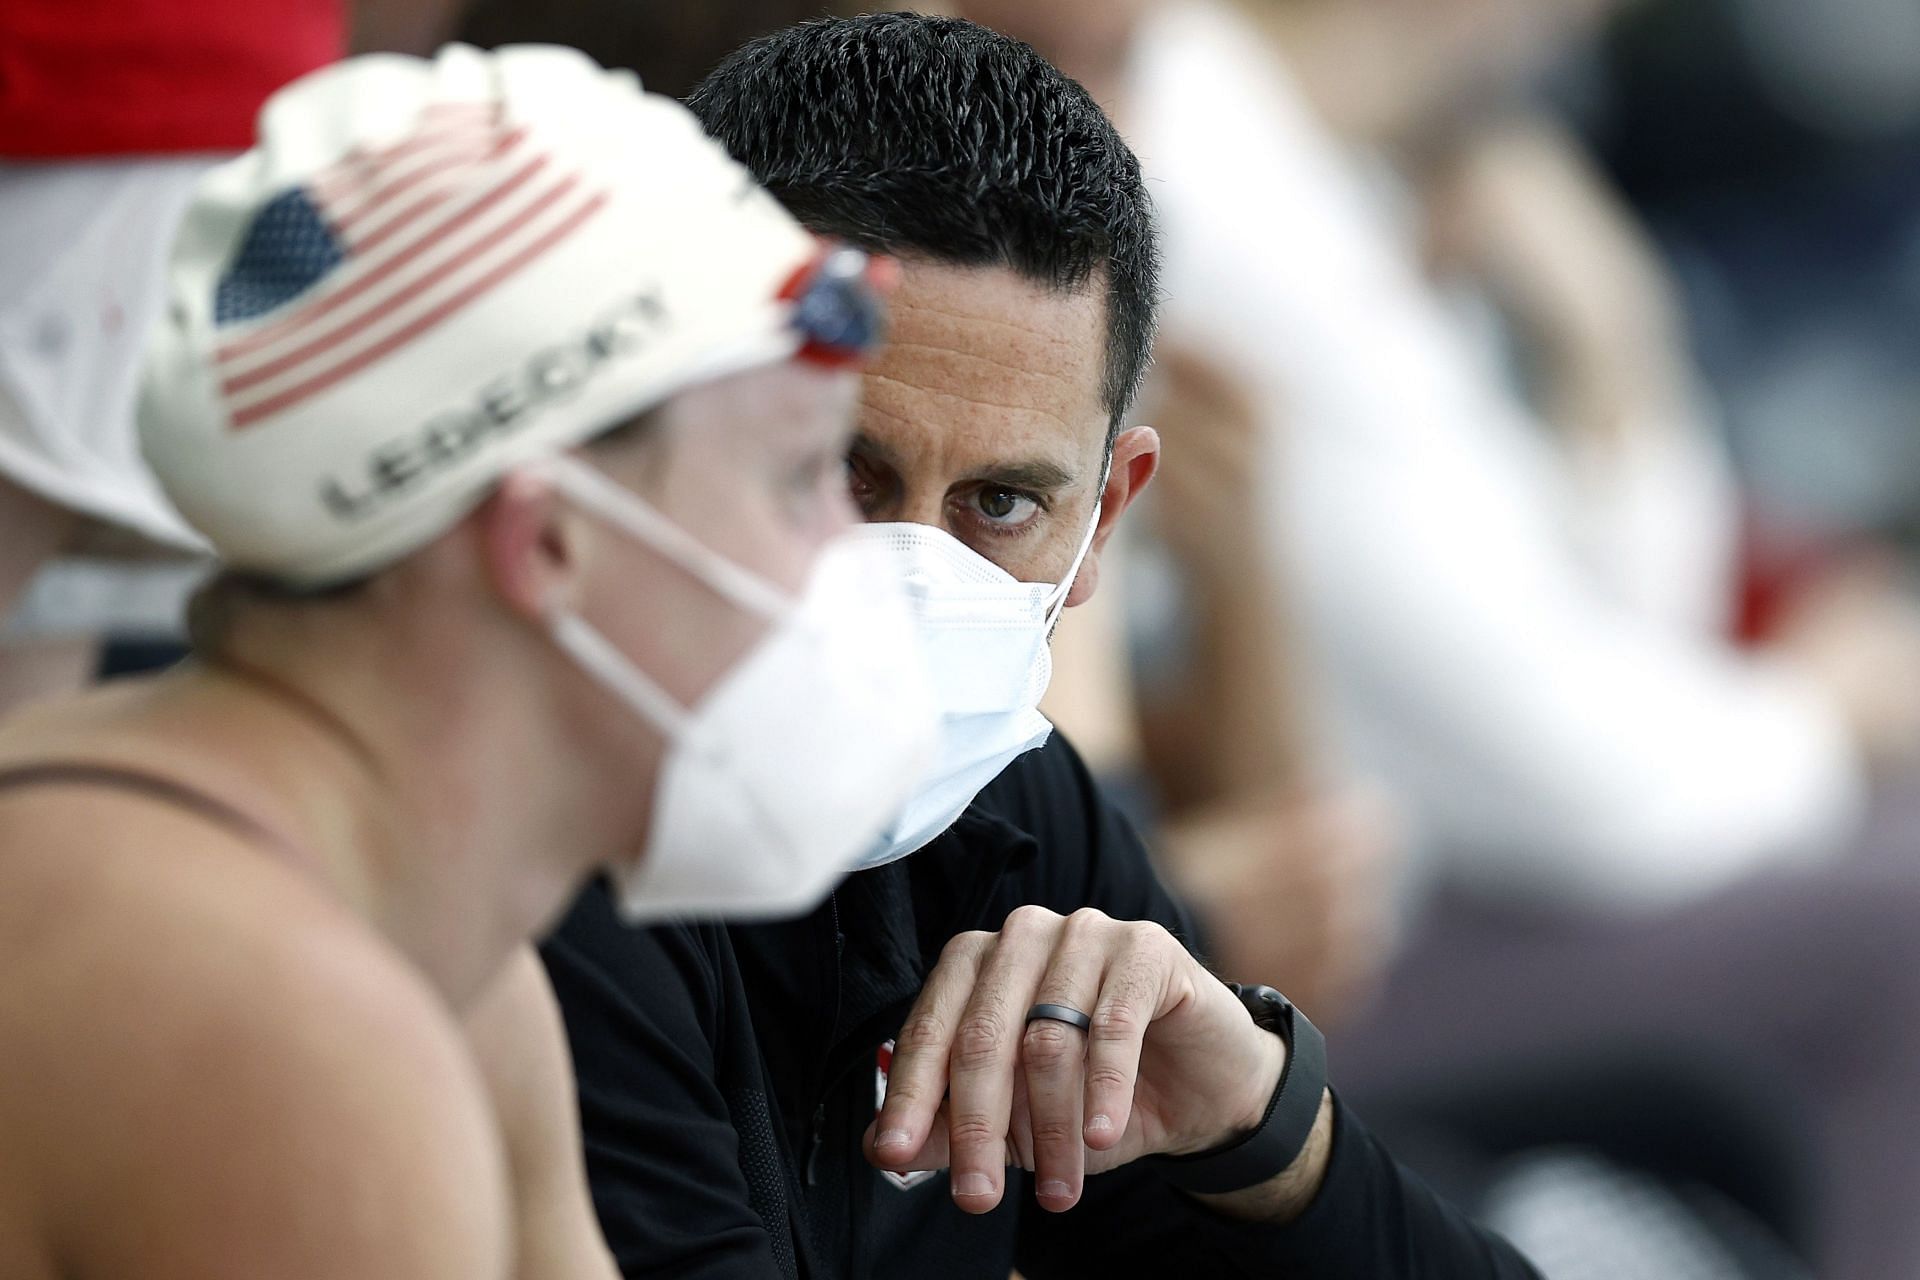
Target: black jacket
[(727, 1074)]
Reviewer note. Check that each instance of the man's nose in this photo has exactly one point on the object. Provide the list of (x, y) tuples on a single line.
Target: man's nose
[(919, 504)]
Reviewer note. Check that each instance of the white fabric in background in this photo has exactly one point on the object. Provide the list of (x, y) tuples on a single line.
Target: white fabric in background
[(81, 272), (1555, 737), (126, 599)]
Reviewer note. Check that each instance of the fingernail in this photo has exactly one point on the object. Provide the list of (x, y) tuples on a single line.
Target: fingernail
[(894, 1138), (1100, 1124), (1056, 1190), (973, 1184)]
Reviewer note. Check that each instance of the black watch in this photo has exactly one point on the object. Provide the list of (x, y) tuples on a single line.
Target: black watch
[(1268, 1151)]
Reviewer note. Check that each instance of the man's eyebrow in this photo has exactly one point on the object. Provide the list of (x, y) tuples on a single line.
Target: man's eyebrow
[(1038, 475)]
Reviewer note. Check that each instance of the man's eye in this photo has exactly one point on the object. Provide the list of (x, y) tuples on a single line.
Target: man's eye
[(862, 486), (1005, 506)]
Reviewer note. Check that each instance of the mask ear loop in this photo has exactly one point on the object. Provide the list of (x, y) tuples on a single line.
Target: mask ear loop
[(596, 654), (634, 515), (1058, 604)]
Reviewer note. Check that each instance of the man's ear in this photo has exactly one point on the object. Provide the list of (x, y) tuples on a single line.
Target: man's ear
[(1136, 456), (533, 546)]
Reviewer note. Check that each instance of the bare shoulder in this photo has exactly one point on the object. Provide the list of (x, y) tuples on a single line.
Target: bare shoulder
[(521, 1043), (214, 1071)]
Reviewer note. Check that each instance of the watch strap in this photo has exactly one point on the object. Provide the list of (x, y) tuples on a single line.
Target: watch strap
[(1271, 1148)]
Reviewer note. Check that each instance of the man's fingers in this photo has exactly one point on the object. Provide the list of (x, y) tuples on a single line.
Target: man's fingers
[(930, 1155), (917, 1079), (1129, 1000), (1020, 1129), (1047, 1095), (1054, 1059), (986, 1046)]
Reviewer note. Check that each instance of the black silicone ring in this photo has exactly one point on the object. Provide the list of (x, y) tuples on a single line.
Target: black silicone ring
[(1059, 1013)]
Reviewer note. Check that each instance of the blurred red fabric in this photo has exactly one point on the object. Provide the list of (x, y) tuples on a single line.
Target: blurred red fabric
[(90, 78)]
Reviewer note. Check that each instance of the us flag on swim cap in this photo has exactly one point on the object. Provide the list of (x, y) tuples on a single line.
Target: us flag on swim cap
[(429, 273), (338, 274)]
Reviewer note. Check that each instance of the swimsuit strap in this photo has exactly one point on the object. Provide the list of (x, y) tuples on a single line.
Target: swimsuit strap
[(153, 786)]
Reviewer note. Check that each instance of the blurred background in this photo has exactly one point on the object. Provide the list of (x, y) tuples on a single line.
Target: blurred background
[(1774, 150), (1517, 660)]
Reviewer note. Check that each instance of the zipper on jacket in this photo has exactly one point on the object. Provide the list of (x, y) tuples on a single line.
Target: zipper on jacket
[(839, 960), (817, 1139)]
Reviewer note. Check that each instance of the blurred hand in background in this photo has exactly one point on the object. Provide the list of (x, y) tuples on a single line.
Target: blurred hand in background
[(1517, 207), (1298, 886), (1856, 633)]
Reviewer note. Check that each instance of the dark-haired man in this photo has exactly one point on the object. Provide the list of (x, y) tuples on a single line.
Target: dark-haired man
[(923, 1077)]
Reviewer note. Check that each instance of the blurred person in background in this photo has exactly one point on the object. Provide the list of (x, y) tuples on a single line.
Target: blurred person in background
[(858, 1090), (1210, 731), (109, 112), (531, 512), (1520, 599), (1627, 462), (1775, 148), (108, 115)]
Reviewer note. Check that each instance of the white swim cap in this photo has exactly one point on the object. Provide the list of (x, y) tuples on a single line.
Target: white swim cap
[(429, 272)]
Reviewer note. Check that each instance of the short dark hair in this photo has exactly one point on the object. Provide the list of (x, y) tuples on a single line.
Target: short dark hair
[(936, 137)]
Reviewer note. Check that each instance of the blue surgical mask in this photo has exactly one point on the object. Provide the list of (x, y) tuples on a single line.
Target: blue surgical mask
[(983, 635)]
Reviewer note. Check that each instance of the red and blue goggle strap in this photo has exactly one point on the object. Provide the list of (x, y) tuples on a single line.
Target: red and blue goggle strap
[(839, 305)]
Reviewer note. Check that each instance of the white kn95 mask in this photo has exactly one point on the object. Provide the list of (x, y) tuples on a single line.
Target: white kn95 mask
[(798, 758)]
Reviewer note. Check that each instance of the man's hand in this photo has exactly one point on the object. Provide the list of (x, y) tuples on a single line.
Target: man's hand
[(1211, 491), (1171, 1064)]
